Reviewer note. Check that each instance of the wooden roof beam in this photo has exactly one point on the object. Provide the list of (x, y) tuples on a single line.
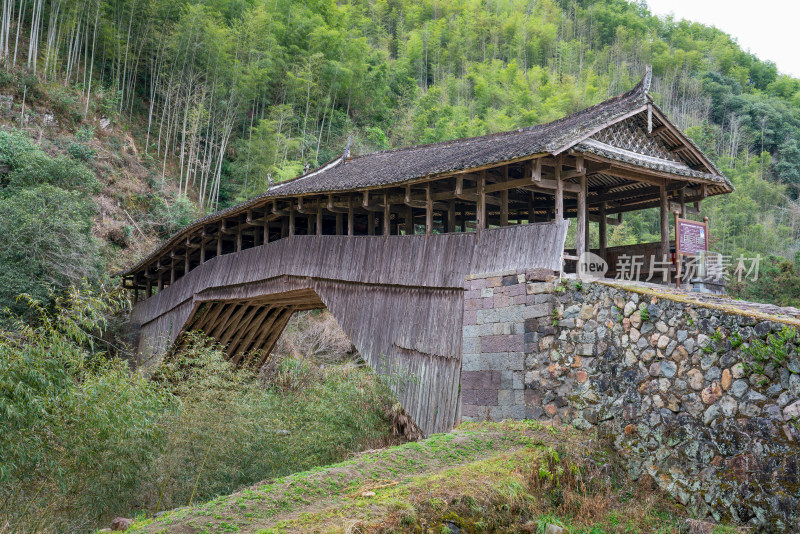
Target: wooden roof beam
[(305, 209), (334, 207), (278, 212)]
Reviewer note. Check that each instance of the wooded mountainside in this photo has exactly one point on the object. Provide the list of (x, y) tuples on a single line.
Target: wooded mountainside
[(221, 96), (122, 121)]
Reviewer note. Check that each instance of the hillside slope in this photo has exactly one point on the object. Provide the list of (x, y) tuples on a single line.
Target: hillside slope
[(78, 198), (209, 102), (490, 477)]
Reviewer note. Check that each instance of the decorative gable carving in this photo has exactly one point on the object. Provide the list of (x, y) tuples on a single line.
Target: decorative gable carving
[(631, 135)]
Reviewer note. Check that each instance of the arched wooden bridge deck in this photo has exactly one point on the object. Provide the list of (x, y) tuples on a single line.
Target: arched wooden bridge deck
[(399, 298)]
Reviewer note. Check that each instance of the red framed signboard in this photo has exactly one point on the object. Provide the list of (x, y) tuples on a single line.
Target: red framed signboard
[(691, 237)]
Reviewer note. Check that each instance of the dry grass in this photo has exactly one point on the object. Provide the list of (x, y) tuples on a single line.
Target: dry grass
[(316, 335)]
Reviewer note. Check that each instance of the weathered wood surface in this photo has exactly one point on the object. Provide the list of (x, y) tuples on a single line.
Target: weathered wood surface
[(398, 298)]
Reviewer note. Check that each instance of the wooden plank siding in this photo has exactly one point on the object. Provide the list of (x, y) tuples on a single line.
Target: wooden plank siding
[(398, 298)]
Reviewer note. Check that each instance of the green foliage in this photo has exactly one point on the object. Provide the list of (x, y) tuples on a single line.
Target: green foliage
[(79, 149), (75, 427), (165, 216), (38, 168), (15, 147), (778, 283), (46, 243), (241, 429), (776, 350), (46, 240), (83, 438)]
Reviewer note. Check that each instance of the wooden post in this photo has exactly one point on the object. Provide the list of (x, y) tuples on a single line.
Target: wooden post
[(186, 262), (480, 216), (370, 223), (266, 229), (603, 230), (504, 200), (160, 280), (678, 256), (339, 224), (463, 219), (256, 234), (350, 214), (580, 235), (387, 216), (202, 250), (559, 192), (219, 238), (284, 228), (451, 216), (291, 219), (149, 290), (664, 219), (239, 237), (531, 208), (319, 217), (682, 197), (172, 272), (409, 220), (428, 210)]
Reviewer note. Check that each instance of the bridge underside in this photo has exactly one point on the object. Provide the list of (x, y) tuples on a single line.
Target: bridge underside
[(398, 298)]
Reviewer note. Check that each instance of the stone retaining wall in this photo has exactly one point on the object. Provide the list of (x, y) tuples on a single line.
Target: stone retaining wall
[(666, 380)]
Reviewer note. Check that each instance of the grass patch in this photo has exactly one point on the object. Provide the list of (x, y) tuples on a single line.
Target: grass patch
[(488, 477)]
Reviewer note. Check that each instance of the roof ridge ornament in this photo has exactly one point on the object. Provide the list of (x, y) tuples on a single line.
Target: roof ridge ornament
[(648, 77), (346, 153)]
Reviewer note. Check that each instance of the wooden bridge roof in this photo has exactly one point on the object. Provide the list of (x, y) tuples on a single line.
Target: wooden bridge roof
[(411, 163), (628, 130)]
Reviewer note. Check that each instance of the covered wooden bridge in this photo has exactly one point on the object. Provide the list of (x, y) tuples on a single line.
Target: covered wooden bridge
[(385, 240)]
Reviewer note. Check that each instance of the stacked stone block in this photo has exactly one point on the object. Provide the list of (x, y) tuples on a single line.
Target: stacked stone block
[(498, 312), (663, 378)]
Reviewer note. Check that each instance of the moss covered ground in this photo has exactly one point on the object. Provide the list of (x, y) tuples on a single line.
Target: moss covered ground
[(482, 477)]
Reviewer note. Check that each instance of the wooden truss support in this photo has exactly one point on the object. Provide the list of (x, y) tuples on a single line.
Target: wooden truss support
[(274, 333)]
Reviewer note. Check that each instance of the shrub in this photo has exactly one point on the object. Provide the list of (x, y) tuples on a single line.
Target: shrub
[(83, 438), (37, 168), (65, 104), (15, 146), (45, 243), (76, 428), (166, 217), (230, 430), (81, 152)]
